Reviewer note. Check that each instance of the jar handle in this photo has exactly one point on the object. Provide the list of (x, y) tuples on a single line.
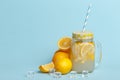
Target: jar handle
[(98, 53)]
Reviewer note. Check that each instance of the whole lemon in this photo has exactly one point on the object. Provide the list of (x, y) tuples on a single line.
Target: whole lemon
[(59, 55), (64, 65)]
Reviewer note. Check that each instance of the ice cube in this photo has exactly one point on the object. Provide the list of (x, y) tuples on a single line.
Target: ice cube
[(31, 72), (84, 73), (30, 75), (51, 72), (57, 75), (73, 74)]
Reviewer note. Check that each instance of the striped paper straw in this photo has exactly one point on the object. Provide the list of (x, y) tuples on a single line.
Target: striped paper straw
[(86, 18)]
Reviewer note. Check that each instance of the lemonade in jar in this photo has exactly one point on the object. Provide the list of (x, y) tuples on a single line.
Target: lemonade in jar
[(83, 51)]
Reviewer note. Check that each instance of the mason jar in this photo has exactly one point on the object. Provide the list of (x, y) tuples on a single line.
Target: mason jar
[(83, 51)]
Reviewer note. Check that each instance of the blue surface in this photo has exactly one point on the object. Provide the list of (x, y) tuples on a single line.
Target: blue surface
[(30, 29)]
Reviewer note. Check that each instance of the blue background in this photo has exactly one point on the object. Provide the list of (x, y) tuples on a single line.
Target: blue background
[(30, 29)]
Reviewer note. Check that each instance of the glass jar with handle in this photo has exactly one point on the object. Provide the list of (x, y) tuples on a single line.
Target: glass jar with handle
[(85, 52)]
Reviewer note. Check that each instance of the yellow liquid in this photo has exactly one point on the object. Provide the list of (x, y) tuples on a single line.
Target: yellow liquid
[(82, 56)]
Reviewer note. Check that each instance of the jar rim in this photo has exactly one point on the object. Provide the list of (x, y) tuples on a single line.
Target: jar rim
[(82, 35)]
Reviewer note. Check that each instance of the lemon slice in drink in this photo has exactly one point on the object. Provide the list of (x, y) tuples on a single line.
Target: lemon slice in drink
[(87, 48)]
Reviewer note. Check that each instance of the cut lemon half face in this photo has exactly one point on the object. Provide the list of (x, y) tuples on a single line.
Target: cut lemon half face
[(64, 43), (46, 67), (87, 48)]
